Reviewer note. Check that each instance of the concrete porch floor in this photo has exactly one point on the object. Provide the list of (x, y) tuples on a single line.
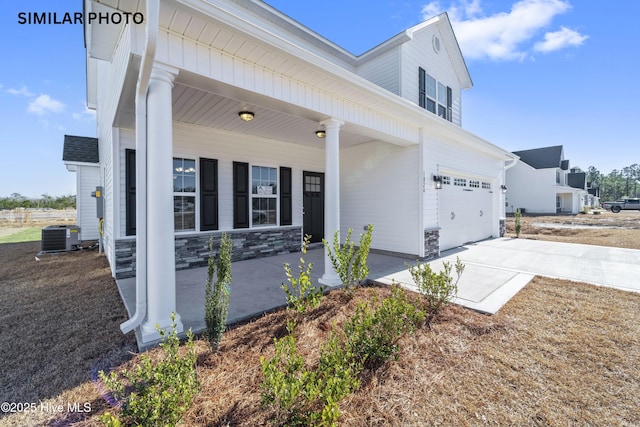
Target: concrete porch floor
[(495, 271), (256, 285)]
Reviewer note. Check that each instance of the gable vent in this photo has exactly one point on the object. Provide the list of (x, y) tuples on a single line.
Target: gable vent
[(436, 43)]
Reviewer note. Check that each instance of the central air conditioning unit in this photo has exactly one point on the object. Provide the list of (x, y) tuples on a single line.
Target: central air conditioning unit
[(60, 238)]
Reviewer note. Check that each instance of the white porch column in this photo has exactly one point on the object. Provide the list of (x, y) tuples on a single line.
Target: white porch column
[(332, 194), (161, 269)]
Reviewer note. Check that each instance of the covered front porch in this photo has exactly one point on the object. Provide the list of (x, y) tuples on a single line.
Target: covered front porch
[(256, 290)]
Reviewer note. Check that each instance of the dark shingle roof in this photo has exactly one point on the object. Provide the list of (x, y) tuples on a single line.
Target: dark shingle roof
[(577, 180), (80, 149), (542, 158)]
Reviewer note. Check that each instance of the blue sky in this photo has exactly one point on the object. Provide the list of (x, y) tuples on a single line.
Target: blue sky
[(545, 72)]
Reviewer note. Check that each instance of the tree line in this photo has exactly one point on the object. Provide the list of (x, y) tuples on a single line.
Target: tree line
[(618, 183), (45, 201)]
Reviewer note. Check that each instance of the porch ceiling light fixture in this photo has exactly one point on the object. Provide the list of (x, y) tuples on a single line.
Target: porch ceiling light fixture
[(437, 179), (246, 116), (321, 133), (503, 188)]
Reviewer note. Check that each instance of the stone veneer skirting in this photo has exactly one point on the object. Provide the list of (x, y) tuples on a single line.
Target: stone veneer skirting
[(503, 227), (193, 250), (431, 243)]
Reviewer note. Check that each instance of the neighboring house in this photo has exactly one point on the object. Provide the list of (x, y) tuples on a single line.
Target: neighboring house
[(251, 124), (593, 198), (541, 182), (80, 155)]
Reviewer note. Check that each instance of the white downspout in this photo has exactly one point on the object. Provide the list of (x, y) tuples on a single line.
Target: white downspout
[(503, 208), (152, 18)]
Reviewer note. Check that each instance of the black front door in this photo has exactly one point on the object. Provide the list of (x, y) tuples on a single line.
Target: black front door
[(313, 204)]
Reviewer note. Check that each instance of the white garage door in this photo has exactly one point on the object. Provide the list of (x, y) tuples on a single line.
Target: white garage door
[(465, 211)]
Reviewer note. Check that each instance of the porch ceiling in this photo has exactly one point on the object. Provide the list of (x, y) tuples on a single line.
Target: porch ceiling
[(199, 107), (203, 102)]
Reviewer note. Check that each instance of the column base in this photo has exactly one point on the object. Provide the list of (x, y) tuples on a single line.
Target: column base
[(149, 332), (331, 281)]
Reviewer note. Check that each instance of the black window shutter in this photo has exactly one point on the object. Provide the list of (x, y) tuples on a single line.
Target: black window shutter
[(422, 81), (240, 195), (208, 194), (285, 197), (130, 192), (449, 104)]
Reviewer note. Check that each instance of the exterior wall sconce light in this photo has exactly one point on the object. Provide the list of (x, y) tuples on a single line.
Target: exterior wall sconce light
[(437, 179), (321, 133), (503, 188), (246, 116)]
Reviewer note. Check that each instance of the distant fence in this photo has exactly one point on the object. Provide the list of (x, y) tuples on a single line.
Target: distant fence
[(39, 216)]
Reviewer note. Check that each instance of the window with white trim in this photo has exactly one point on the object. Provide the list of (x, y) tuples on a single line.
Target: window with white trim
[(264, 195), (184, 194)]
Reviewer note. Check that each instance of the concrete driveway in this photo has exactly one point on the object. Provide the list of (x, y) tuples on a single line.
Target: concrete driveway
[(497, 269)]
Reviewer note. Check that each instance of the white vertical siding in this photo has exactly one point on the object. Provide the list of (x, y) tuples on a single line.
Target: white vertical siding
[(379, 185), (88, 178), (383, 70), (419, 53)]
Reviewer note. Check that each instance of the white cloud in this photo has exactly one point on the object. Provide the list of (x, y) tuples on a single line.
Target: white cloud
[(86, 115), (432, 9), (505, 35), (23, 91), (559, 40), (45, 104)]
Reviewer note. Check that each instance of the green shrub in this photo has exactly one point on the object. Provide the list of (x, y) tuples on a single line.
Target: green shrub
[(350, 263), (303, 396), (438, 288), (518, 222), (373, 333), (217, 295), (301, 294), (155, 394)]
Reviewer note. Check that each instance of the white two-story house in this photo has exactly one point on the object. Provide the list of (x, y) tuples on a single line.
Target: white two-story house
[(228, 116), (542, 182)]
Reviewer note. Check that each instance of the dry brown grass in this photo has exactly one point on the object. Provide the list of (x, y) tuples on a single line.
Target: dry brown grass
[(60, 318), (623, 229), (559, 353)]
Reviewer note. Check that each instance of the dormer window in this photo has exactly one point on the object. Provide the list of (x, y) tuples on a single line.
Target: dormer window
[(434, 96)]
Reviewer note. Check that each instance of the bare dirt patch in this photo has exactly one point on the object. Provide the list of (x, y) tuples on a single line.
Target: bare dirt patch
[(620, 230)]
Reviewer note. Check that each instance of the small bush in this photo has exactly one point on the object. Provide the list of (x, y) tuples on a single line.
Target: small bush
[(438, 288), (217, 295), (301, 294), (518, 222), (373, 333), (154, 394), (303, 396), (350, 263)]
